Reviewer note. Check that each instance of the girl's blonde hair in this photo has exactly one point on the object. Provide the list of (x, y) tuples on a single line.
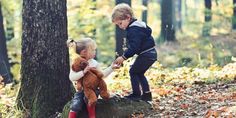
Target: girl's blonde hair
[(121, 12), (82, 44)]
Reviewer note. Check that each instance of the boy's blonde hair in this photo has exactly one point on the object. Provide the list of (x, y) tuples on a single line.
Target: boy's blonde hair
[(121, 12), (82, 44)]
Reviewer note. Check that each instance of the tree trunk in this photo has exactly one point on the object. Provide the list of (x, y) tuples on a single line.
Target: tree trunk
[(234, 15), (45, 86), (207, 24), (207, 10), (4, 63), (144, 13), (178, 14), (121, 34), (185, 9), (167, 21)]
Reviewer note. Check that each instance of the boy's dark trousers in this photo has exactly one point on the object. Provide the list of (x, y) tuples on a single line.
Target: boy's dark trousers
[(137, 70)]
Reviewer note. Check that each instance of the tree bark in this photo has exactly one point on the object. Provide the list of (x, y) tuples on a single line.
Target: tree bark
[(45, 86), (4, 62), (121, 34), (207, 25), (234, 15), (207, 10), (167, 21), (185, 8), (178, 14), (144, 13)]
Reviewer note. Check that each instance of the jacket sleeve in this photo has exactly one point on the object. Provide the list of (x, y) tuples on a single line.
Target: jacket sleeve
[(106, 71), (134, 37), (74, 76)]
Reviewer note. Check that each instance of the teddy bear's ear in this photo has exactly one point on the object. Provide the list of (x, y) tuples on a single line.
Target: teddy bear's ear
[(83, 64)]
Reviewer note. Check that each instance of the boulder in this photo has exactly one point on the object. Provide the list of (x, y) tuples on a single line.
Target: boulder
[(115, 107)]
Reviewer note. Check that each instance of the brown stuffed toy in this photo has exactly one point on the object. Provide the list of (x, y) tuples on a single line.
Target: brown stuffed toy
[(90, 81)]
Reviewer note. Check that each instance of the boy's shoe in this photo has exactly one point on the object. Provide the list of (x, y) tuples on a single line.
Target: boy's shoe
[(147, 96), (133, 97)]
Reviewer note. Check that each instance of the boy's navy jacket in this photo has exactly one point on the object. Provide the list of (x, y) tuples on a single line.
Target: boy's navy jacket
[(139, 38)]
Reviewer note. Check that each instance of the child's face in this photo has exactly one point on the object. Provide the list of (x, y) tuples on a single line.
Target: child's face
[(90, 53), (122, 24)]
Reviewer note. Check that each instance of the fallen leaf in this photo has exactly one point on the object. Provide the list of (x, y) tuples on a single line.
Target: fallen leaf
[(203, 98), (184, 106), (222, 109), (211, 113), (162, 91)]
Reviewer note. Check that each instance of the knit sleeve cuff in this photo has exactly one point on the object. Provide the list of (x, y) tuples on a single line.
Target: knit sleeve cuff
[(123, 56)]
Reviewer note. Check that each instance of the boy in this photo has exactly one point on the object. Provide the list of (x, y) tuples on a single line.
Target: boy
[(140, 42)]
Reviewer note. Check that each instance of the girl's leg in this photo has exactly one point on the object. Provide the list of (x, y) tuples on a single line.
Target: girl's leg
[(92, 108), (72, 114), (91, 111), (77, 104)]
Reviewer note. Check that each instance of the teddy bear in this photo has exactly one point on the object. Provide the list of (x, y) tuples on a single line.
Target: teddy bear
[(90, 81)]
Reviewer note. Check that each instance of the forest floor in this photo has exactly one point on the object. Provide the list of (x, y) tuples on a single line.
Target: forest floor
[(197, 100), (191, 92)]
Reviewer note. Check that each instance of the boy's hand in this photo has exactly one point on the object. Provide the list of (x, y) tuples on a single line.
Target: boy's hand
[(119, 60)]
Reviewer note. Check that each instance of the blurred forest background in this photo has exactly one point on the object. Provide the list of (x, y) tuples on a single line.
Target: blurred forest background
[(91, 18), (188, 34)]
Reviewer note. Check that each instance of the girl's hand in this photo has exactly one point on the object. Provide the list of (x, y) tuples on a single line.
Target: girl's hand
[(115, 66), (86, 69)]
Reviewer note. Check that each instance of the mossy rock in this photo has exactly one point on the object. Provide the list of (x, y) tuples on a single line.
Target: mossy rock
[(116, 107)]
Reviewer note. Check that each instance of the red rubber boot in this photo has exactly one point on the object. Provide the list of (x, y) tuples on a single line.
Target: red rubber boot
[(72, 114), (91, 111)]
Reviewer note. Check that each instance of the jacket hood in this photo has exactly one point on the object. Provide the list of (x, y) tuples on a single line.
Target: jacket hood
[(138, 23), (142, 24)]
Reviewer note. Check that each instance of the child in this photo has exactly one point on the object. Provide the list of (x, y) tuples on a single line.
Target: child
[(85, 48), (140, 42)]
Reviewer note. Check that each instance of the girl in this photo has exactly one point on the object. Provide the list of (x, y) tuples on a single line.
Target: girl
[(85, 48), (140, 42)]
